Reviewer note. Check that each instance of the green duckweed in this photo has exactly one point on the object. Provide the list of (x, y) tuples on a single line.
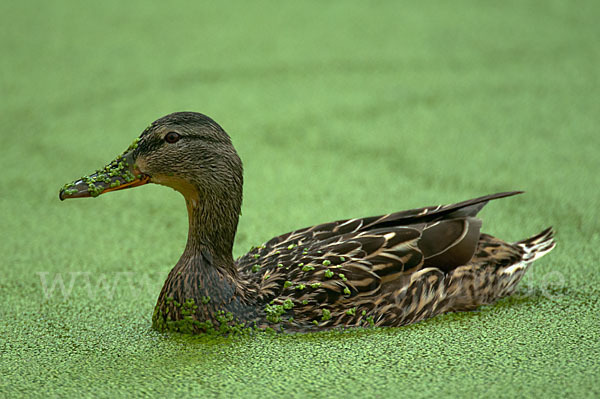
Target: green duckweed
[(274, 313), (224, 323), (70, 191), (133, 145), (288, 304)]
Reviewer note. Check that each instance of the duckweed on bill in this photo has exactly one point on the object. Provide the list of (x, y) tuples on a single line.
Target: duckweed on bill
[(70, 191), (133, 145)]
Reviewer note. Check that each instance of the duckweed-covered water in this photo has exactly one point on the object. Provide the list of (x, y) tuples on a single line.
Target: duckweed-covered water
[(338, 110)]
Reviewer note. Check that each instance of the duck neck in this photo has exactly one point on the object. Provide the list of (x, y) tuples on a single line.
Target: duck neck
[(212, 227), (205, 274)]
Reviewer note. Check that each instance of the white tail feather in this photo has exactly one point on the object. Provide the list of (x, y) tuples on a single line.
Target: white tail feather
[(534, 248), (538, 245)]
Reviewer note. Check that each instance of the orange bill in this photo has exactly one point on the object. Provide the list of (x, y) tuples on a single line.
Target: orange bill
[(119, 174)]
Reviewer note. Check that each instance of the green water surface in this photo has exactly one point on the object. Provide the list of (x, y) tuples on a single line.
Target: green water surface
[(338, 109)]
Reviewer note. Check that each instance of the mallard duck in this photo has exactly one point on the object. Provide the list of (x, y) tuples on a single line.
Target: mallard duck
[(388, 270)]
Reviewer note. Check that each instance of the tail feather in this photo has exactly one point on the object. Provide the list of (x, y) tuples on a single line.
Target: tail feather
[(537, 246), (464, 286)]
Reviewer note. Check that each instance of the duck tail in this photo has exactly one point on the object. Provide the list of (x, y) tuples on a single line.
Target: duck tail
[(537, 246)]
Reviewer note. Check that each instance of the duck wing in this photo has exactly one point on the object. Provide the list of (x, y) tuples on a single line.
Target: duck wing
[(357, 257)]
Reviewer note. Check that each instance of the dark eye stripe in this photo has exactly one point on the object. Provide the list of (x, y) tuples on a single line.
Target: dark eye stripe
[(206, 139), (148, 145)]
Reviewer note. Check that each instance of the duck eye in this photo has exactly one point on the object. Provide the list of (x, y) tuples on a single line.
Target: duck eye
[(172, 137)]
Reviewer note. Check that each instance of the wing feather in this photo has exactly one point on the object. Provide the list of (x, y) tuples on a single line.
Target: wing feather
[(344, 261)]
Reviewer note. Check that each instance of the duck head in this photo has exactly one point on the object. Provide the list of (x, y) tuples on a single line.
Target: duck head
[(188, 152)]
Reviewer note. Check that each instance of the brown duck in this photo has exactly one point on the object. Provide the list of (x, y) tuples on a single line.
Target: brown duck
[(388, 270)]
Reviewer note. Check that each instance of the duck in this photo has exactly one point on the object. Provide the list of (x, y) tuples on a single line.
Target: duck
[(383, 271)]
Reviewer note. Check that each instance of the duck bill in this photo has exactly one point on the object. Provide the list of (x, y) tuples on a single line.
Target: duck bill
[(119, 174)]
